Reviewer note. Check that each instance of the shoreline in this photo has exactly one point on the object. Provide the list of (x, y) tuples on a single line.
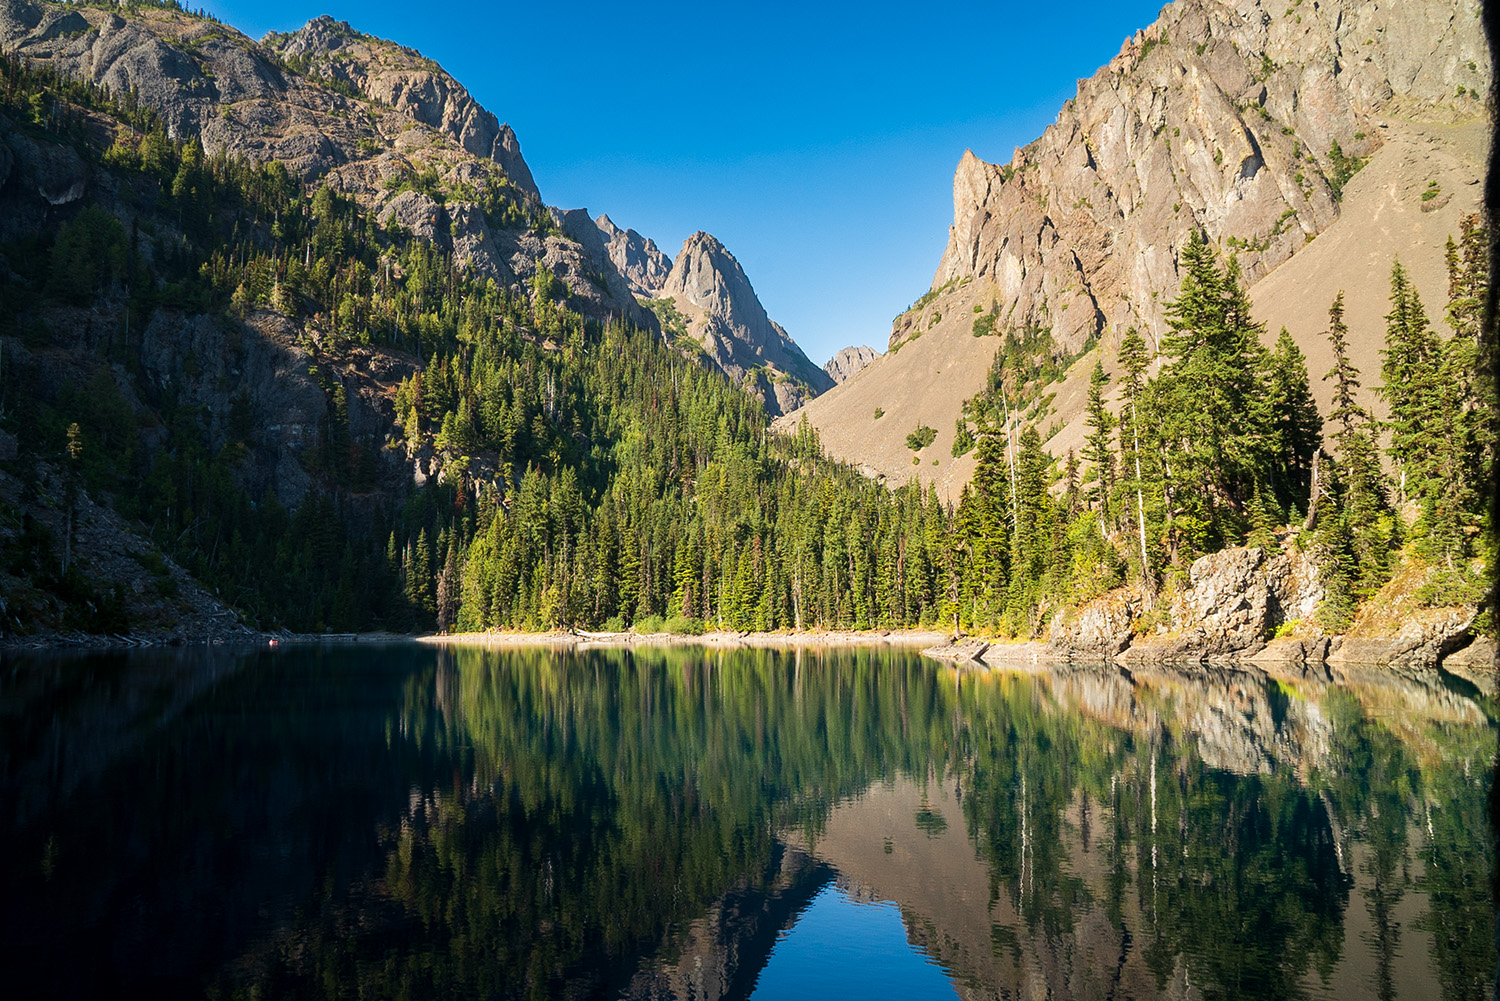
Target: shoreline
[(718, 639)]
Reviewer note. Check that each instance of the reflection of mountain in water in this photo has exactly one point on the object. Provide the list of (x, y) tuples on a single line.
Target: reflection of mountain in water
[(720, 955), (643, 824)]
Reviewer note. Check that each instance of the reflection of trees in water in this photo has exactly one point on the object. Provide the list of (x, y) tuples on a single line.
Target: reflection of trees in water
[(566, 815), (1238, 876)]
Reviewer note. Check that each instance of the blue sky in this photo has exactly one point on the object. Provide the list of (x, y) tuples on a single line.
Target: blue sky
[(816, 141)]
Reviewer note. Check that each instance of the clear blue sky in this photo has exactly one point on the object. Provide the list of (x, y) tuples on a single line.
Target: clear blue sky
[(816, 141)]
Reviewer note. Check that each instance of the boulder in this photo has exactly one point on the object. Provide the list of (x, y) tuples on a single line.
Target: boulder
[(1475, 664), (959, 650)]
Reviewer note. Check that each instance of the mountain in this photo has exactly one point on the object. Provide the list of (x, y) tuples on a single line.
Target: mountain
[(849, 361), (389, 127), (721, 313), (1258, 125), (636, 257), (370, 119), (401, 78), (274, 316)]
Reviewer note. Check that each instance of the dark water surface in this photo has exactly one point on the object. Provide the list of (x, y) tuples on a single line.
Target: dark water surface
[(413, 822)]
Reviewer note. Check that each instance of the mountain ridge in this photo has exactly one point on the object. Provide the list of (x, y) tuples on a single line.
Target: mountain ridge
[(726, 318), (1075, 240), (369, 117)]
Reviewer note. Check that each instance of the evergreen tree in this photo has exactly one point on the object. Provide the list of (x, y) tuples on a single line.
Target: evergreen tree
[(1356, 534), (1410, 367), (1293, 414), (1097, 450), (1133, 363)]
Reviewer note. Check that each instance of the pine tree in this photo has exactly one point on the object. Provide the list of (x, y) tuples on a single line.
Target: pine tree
[(448, 588), (1355, 537), (1217, 439), (1133, 363), (1410, 364), (1298, 429), (1097, 450)]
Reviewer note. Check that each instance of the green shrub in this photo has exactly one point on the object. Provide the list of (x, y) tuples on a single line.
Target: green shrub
[(921, 437), (649, 624), (683, 625)]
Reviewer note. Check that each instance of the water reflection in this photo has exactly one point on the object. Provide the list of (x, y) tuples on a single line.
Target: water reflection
[(412, 822)]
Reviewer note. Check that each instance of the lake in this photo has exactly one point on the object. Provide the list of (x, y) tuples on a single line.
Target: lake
[(410, 821)]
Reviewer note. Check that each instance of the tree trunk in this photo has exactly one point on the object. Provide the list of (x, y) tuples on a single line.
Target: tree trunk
[(1140, 510), (1312, 499)]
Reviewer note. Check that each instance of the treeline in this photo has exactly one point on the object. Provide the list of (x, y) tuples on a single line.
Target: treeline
[(590, 476)]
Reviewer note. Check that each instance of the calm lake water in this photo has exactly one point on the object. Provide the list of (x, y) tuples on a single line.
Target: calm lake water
[(412, 822)]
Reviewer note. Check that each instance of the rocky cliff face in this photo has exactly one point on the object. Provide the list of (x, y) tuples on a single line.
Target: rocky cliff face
[(636, 257), (726, 318), (398, 77), (849, 361), (1227, 117), (358, 113)]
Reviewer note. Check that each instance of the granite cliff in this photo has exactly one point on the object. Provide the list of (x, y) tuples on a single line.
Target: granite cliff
[(1234, 119), (726, 319), (847, 363), (636, 257), (395, 76), (1247, 121)]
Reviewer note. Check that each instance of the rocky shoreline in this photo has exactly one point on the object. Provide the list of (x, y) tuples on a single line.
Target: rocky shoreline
[(1257, 606)]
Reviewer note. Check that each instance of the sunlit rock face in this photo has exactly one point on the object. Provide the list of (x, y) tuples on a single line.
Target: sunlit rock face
[(727, 320), (636, 257), (400, 78), (1220, 117), (848, 362)]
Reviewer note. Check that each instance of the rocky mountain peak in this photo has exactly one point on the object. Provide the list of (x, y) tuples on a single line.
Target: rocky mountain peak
[(636, 257), (402, 78), (1239, 120), (849, 361), (706, 274), (727, 320)]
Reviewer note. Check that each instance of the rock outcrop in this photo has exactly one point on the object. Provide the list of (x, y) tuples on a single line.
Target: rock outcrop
[(848, 362), (1099, 628), (1229, 118), (727, 320), (1234, 602), (1475, 664), (401, 78), (1076, 236), (636, 257)]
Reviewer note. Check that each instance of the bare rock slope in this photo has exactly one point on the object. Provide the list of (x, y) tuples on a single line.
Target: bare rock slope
[(1222, 118), (401, 78), (708, 286), (636, 257)]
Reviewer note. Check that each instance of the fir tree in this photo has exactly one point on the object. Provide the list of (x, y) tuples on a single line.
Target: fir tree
[(1097, 450)]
